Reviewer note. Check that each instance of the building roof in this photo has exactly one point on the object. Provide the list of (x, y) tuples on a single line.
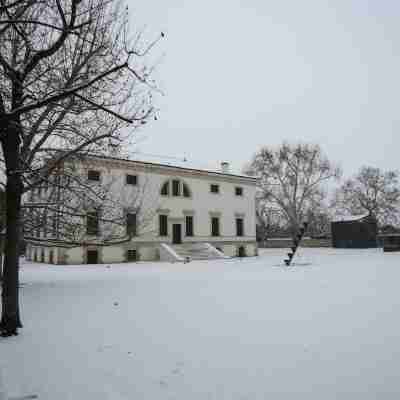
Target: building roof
[(350, 218), (174, 164)]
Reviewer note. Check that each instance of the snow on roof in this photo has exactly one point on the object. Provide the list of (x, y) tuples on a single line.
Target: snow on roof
[(349, 218), (180, 163)]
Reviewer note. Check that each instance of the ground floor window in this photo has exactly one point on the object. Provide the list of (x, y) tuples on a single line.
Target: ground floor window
[(92, 223), (239, 227), (189, 225), (163, 221), (215, 226), (131, 224), (131, 255)]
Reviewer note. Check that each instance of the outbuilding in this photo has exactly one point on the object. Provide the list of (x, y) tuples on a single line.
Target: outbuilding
[(356, 231)]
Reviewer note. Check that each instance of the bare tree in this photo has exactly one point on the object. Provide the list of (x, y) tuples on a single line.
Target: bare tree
[(319, 222), (270, 222), (71, 78), (291, 179), (371, 191)]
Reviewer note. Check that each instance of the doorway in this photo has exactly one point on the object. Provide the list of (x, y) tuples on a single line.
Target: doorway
[(92, 256), (176, 233)]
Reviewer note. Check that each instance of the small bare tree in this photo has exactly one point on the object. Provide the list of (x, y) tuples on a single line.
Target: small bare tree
[(371, 191), (291, 179), (71, 78)]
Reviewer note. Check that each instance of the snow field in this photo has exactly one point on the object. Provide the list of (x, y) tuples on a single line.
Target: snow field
[(224, 329)]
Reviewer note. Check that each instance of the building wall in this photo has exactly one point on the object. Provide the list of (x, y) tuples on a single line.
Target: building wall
[(202, 205)]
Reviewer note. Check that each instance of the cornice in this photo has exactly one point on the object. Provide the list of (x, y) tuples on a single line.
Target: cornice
[(169, 170)]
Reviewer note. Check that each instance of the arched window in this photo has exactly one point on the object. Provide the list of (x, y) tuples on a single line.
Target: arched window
[(175, 188), (165, 189), (186, 191)]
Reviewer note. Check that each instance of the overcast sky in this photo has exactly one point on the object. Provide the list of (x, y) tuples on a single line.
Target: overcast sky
[(241, 74)]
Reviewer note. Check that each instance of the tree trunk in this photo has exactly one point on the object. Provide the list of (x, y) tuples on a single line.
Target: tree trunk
[(10, 316), (10, 319)]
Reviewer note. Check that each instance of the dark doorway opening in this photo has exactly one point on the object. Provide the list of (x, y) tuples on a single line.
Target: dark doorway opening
[(177, 233), (241, 251), (92, 257)]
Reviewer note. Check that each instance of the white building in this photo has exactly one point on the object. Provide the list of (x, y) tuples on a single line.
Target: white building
[(171, 212)]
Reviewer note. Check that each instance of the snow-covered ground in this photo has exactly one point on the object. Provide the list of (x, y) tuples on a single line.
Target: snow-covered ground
[(229, 329)]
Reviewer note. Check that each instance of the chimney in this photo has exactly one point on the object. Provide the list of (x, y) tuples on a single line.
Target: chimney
[(225, 167)]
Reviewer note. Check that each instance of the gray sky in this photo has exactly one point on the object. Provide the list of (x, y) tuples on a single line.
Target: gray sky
[(241, 74)]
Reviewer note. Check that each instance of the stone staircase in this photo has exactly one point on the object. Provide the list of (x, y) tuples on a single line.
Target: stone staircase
[(198, 251)]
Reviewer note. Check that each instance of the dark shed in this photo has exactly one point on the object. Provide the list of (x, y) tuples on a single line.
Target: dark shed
[(390, 241), (354, 232)]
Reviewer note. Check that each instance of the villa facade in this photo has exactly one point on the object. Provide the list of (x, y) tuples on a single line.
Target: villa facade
[(169, 212)]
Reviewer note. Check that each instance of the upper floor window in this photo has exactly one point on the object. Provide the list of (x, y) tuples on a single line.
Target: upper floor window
[(165, 189), (93, 175), (176, 187), (214, 188), (131, 179), (238, 191)]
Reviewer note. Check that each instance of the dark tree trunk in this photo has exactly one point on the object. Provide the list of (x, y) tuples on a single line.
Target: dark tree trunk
[(10, 318)]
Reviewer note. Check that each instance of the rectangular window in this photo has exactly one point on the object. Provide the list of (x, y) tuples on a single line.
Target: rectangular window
[(238, 191), (131, 255), (189, 225), (175, 188), (92, 223), (163, 220), (131, 224), (131, 179), (165, 189), (214, 226), (214, 188), (93, 175), (239, 227)]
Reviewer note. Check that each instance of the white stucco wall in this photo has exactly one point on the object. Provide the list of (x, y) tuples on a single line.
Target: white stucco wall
[(146, 199), (202, 205)]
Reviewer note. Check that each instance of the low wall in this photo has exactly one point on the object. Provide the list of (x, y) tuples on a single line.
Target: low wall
[(287, 242)]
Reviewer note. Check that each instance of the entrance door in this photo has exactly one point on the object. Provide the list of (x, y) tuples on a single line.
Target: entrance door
[(177, 233), (92, 257)]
